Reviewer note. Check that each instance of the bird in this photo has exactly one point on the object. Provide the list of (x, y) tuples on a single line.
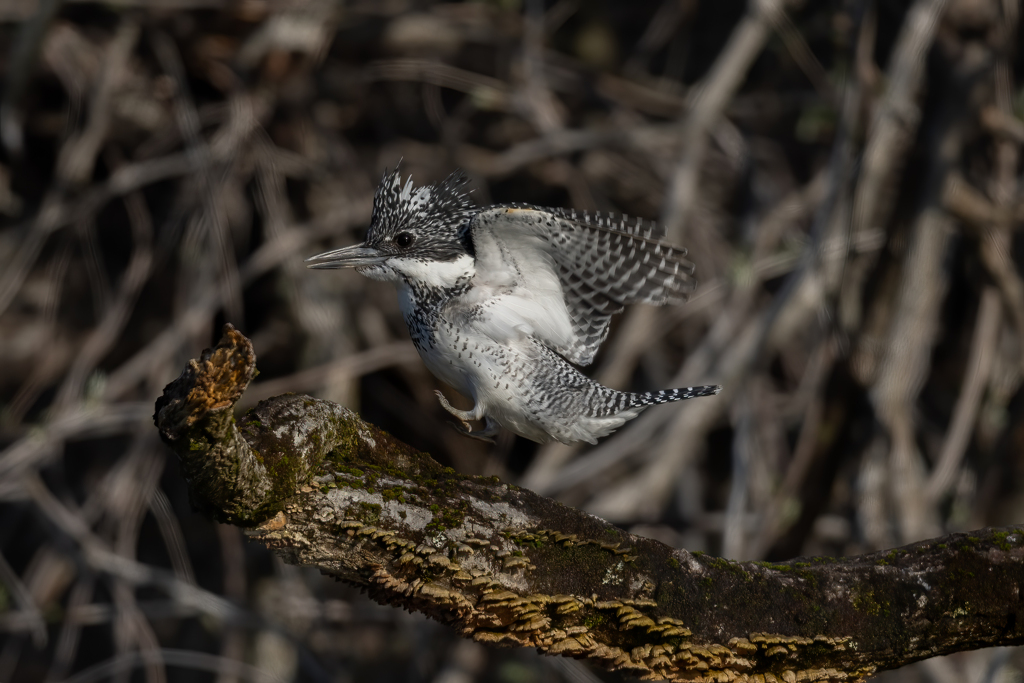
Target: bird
[(503, 302)]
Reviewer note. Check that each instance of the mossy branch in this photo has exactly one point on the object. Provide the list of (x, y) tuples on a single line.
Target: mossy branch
[(503, 565)]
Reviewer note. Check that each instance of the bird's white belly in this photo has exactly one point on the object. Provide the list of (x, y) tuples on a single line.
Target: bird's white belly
[(511, 377), (451, 369), (474, 364), (503, 381)]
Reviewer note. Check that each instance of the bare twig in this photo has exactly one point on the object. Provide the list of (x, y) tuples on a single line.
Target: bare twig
[(895, 120), (965, 414), (708, 101), (24, 602)]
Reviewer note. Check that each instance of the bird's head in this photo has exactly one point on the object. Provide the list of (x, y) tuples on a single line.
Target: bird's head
[(419, 235)]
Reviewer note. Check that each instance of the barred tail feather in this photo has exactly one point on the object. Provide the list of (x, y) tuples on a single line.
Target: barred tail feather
[(654, 398)]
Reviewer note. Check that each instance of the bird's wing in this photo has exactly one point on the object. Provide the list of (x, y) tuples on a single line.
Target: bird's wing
[(560, 276)]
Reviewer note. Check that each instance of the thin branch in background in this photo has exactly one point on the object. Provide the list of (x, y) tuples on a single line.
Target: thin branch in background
[(708, 101), (71, 630), (170, 529), (24, 602), (895, 119), (116, 315), (235, 587), (23, 59), (186, 659), (210, 220), (965, 414)]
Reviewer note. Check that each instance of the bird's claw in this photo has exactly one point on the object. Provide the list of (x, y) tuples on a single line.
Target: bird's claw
[(465, 430), (464, 416)]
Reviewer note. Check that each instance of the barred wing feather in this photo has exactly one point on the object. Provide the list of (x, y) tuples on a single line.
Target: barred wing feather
[(561, 276)]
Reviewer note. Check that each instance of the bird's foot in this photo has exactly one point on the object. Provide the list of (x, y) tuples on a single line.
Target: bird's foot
[(487, 434), (465, 416), (465, 430)]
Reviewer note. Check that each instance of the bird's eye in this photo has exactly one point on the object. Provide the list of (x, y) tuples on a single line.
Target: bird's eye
[(404, 239)]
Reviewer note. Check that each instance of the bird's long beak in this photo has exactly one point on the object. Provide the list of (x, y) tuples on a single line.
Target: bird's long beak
[(348, 257)]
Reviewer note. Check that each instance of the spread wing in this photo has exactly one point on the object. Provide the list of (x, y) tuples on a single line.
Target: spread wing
[(560, 277)]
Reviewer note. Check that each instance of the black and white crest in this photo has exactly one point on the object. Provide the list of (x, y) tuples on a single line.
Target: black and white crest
[(436, 216)]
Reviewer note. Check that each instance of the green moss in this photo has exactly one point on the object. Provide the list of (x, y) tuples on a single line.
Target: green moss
[(674, 563), (582, 560), (1000, 539), (527, 540), (351, 471), (423, 480), (864, 600), (959, 578), (450, 517), (368, 512), (288, 468), (774, 566), (796, 569), (723, 564), (718, 562), (394, 493)]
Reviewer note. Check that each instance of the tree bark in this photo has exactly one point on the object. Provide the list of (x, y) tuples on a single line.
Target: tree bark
[(503, 565)]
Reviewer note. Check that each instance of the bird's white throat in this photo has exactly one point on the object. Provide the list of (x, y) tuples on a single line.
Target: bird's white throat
[(435, 274)]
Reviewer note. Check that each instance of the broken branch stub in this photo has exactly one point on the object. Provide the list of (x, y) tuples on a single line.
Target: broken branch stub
[(503, 565)]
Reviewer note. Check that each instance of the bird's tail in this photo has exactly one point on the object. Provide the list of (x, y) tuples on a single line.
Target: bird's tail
[(654, 398)]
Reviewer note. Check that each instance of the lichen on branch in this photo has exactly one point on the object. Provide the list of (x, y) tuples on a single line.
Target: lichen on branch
[(503, 565)]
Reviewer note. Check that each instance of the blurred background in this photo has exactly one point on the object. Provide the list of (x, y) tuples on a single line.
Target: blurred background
[(845, 174)]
